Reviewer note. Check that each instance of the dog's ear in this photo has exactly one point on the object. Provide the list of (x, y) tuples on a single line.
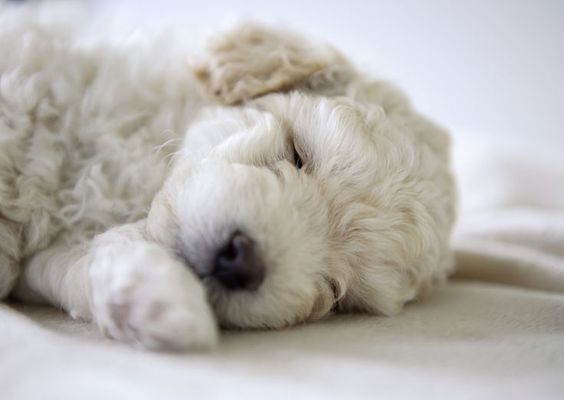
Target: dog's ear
[(252, 60)]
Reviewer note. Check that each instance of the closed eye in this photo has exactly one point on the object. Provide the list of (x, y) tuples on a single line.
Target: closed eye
[(298, 162)]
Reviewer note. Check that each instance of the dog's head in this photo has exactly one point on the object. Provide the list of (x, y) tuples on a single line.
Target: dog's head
[(294, 205)]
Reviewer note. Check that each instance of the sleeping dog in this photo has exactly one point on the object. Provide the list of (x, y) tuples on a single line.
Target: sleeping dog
[(263, 183)]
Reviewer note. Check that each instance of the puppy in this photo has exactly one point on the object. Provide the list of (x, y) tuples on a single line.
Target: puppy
[(265, 184)]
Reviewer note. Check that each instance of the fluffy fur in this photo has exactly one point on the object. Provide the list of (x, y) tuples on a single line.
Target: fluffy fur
[(122, 169)]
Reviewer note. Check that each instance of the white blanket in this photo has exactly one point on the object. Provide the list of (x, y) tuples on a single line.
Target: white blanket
[(496, 331)]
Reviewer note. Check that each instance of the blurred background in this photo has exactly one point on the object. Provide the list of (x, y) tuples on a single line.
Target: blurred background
[(478, 67)]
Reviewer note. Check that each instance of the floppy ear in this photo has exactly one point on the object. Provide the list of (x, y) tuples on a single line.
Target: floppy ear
[(392, 240), (252, 60)]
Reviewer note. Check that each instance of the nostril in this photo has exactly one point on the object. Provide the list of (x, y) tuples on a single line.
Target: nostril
[(235, 251), (237, 264), (230, 252)]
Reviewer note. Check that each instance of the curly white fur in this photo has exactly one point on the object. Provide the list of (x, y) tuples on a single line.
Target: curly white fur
[(118, 165)]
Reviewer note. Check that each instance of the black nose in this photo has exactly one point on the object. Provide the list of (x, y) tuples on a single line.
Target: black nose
[(237, 264)]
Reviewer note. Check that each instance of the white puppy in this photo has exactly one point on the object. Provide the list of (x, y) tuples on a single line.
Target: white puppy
[(268, 185)]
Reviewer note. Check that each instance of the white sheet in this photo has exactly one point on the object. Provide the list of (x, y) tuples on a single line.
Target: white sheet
[(469, 341)]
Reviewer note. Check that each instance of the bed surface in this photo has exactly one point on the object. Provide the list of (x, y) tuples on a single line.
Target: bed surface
[(471, 340)]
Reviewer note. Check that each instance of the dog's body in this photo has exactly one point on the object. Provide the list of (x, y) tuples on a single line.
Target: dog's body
[(129, 194)]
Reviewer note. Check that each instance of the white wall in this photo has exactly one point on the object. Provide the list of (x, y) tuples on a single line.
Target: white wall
[(483, 66)]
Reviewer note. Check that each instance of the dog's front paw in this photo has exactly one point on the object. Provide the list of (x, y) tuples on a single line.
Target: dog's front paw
[(252, 60), (143, 295)]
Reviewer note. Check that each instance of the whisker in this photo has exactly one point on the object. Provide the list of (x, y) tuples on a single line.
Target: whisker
[(170, 142)]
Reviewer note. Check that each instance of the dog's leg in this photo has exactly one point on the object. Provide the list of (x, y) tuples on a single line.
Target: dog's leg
[(253, 60), (135, 290)]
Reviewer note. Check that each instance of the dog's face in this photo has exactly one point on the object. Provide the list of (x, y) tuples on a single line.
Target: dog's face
[(289, 207)]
